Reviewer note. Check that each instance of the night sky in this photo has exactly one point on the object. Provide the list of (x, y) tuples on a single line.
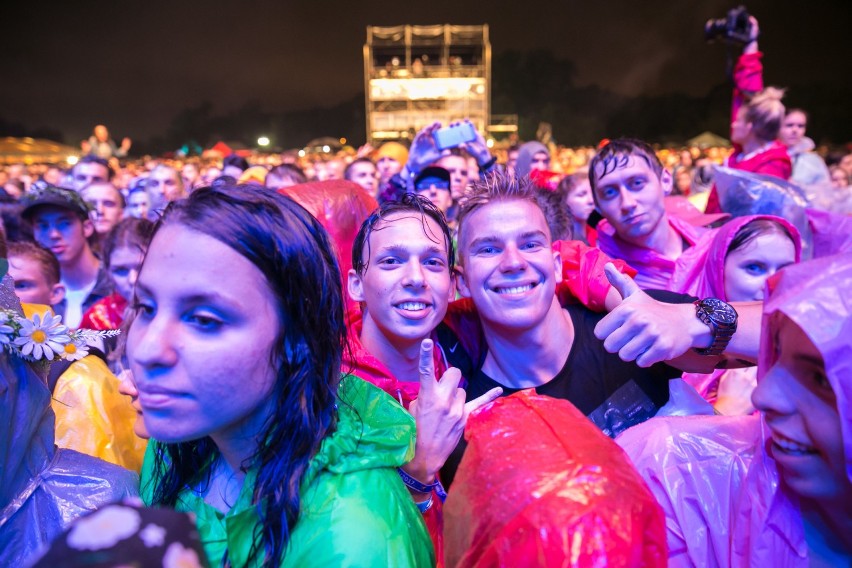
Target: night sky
[(135, 65)]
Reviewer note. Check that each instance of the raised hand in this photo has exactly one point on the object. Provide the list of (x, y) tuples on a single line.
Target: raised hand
[(477, 148), (441, 413), (423, 151), (643, 329)]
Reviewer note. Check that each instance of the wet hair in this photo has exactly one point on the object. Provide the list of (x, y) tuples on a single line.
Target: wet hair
[(289, 172), (766, 113), (616, 154), (92, 159), (347, 173), (128, 233), (495, 187), (293, 252), (407, 203), (754, 229), (45, 259)]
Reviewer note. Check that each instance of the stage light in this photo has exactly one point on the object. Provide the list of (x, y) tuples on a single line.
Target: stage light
[(263, 141)]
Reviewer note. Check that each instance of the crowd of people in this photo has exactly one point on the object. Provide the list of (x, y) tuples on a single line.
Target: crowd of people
[(418, 356)]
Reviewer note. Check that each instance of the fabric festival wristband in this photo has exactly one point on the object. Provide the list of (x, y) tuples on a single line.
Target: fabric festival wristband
[(421, 487)]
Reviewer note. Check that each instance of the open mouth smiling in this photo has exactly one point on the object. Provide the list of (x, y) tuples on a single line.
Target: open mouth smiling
[(514, 290)]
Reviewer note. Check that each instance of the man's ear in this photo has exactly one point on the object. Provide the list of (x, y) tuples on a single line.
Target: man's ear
[(88, 228), (355, 286), (451, 294), (557, 265), (666, 181), (57, 293), (461, 282)]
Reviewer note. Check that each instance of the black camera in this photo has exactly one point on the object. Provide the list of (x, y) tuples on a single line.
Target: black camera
[(733, 28)]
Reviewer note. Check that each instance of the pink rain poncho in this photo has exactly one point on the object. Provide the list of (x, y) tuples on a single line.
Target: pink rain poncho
[(654, 270), (705, 278), (704, 275), (717, 484), (540, 485)]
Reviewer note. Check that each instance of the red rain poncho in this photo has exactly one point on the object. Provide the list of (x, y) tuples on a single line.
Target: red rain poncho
[(540, 485), (340, 206)]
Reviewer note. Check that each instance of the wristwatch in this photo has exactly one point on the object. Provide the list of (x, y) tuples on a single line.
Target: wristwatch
[(721, 317)]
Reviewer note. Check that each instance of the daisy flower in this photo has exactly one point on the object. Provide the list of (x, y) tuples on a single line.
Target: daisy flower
[(74, 350), (6, 331), (42, 337)]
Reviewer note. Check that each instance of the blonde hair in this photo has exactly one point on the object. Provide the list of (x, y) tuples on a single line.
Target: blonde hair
[(766, 112)]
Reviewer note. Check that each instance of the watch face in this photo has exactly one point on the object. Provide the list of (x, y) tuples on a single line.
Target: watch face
[(719, 311)]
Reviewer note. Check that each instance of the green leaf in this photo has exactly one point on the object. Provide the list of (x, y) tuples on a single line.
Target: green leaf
[(4, 267)]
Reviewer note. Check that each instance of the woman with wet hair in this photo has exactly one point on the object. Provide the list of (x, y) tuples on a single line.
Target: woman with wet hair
[(236, 352)]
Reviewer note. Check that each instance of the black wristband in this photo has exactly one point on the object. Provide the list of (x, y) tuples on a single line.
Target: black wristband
[(488, 165)]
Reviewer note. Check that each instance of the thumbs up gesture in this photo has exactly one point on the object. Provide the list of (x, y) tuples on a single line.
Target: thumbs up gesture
[(643, 329)]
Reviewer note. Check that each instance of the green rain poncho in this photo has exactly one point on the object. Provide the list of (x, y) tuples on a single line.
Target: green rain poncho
[(355, 511)]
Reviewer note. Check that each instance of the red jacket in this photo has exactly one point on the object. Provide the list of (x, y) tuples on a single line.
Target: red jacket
[(774, 161)]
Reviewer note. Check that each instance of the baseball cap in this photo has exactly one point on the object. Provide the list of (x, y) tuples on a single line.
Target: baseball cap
[(433, 175), (42, 193)]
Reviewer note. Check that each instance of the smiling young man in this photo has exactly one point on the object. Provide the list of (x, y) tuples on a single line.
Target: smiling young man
[(629, 185), (510, 271)]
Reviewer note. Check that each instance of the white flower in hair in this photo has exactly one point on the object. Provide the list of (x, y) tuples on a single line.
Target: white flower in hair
[(42, 337), (6, 330), (74, 350)]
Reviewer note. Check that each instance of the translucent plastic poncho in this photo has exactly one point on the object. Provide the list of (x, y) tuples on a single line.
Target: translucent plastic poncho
[(540, 485), (718, 486), (745, 193), (42, 488), (340, 206)]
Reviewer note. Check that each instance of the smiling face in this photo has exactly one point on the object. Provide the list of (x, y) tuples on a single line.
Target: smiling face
[(406, 285), (508, 268), (748, 267), (800, 409), (793, 128), (200, 346), (631, 198)]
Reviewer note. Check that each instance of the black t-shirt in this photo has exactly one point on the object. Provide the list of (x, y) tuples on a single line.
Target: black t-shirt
[(614, 394)]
